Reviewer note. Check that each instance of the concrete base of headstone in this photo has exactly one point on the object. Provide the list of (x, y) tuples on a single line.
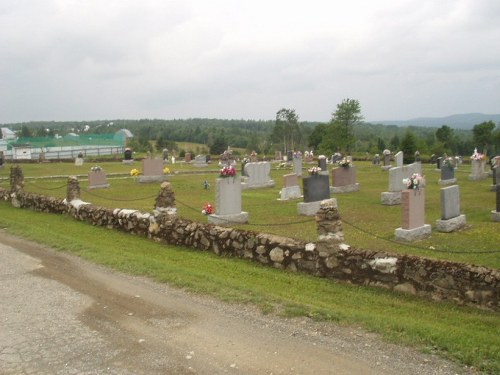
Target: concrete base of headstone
[(222, 220), (344, 189), (451, 225), (450, 181), (291, 192), (416, 234), (495, 216), (386, 167), (131, 161), (310, 208), (149, 179), (481, 176), (246, 186), (390, 198), (101, 186)]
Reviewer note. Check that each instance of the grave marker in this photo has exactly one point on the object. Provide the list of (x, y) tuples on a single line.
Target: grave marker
[(396, 184), (152, 171), (228, 202), (344, 180), (316, 188), (258, 175), (97, 178), (399, 159), (451, 219), (413, 226), (291, 188)]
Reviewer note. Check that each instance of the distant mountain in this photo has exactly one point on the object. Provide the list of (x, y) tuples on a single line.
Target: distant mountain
[(463, 121)]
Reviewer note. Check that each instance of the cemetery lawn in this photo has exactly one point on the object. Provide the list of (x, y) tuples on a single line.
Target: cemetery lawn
[(467, 335), (367, 223)]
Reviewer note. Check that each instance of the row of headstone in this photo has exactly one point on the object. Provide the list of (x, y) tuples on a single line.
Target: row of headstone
[(413, 226)]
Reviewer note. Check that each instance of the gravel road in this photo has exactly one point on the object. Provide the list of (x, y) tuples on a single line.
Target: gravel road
[(62, 315)]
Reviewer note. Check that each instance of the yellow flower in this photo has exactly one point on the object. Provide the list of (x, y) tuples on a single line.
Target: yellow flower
[(166, 170), (134, 172)]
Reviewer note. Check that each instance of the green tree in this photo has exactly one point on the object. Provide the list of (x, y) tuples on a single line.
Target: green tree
[(287, 129), (445, 135), (342, 123), (25, 132), (409, 146), (317, 135), (219, 145), (483, 135)]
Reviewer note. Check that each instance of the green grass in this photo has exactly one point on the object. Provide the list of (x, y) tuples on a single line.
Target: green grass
[(466, 335), (367, 224)]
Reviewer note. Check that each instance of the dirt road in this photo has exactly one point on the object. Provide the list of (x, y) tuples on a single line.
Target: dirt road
[(61, 315)]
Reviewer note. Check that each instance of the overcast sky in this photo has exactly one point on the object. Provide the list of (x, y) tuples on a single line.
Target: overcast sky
[(247, 59)]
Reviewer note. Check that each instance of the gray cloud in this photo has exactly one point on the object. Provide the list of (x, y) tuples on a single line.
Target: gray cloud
[(73, 60)]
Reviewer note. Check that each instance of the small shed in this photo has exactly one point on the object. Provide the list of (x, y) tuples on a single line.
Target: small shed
[(21, 151)]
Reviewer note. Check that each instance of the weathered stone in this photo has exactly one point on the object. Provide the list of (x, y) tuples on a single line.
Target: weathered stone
[(276, 255)]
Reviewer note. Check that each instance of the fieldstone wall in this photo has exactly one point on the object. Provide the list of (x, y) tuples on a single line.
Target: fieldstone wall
[(328, 257)]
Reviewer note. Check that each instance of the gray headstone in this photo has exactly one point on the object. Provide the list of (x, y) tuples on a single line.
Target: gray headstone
[(399, 159), (316, 188), (297, 166), (322, 163), (447, 173), (258, 174), (228, 196), (439, 162), (450, 202), (397, 174)]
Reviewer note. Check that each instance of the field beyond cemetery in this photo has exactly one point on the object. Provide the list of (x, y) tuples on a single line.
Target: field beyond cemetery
[(467, 335)]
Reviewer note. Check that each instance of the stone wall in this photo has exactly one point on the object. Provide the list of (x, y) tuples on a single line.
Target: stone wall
[(328, 257)]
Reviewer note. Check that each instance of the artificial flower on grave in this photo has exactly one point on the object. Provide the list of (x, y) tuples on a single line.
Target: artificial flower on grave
[(208, 209), (134, 172), (477, 156), (344, 163), (414, 181), (166, 170), (449, 162), (314, 170), (96, 168), (228, 171)]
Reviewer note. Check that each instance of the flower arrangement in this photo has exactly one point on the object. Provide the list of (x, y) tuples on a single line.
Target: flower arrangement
[(228, 171), (314, 170), (414, 181), (477, 156), (134, 172), (166, 170), (208, 209), (96, 168), (344, 163), (448, 162)]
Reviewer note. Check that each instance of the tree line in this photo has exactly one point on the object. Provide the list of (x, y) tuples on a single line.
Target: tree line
[(346, 132)]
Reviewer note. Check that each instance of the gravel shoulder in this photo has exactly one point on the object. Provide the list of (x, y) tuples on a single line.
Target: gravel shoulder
[(62, 315)]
